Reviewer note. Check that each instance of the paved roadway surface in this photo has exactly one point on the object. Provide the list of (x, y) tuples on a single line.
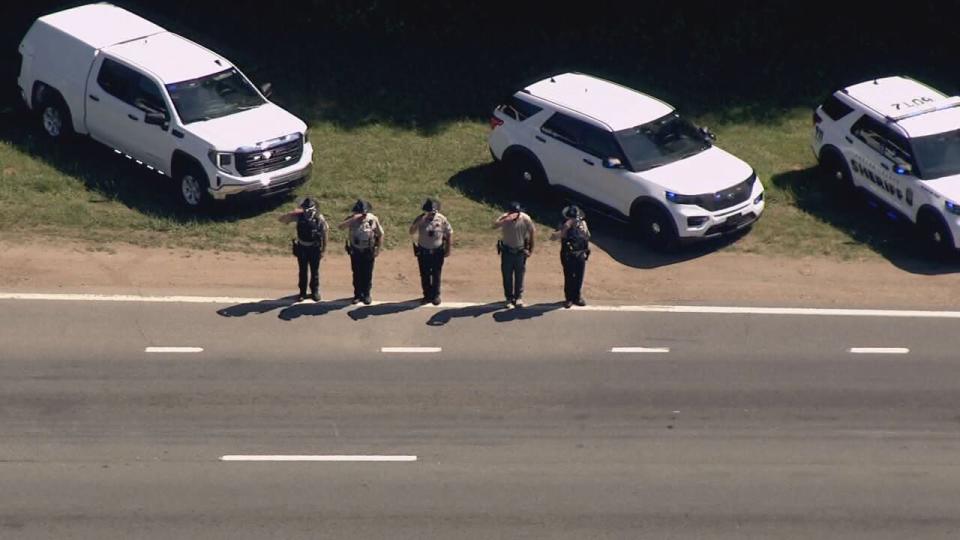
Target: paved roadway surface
[(524, 424)]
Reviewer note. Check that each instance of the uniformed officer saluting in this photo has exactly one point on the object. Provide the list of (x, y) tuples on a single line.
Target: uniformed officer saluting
[(516, 244), (574, 236), (309, 246), (434, 236), (363, 245)]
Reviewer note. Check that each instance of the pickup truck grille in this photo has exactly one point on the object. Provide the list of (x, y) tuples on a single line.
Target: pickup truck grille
[(270, 158), (728, 197)]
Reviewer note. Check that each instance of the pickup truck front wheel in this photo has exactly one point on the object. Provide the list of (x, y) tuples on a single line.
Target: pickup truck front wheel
[(193, 188)]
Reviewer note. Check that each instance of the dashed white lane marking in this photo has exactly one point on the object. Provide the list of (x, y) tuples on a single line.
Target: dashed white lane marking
[(730, 310), (879, 350), (173, 349), (640, 350), (336, 458), (410, 349)]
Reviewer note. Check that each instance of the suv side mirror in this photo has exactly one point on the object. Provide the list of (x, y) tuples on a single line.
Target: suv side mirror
[(267, 90), (155, 118), (707, 134), (612, 163)]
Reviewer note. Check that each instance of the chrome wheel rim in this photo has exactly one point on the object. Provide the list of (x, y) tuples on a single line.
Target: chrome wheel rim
[(52, 122), (190, 189), (655, 227)]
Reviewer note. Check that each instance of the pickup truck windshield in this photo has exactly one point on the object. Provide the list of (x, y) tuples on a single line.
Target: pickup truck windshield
[(213, 96), (662, 141), (937, 155)]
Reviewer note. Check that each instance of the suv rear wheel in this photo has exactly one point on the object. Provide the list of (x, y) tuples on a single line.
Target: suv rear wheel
[(656, 228), (835, 167)]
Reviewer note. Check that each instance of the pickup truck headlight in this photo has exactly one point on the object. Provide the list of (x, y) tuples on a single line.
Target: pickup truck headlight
[(952, 207), (222, 160), (682, 199)]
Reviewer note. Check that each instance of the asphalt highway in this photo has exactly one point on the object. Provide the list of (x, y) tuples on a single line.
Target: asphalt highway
[(473, 422)]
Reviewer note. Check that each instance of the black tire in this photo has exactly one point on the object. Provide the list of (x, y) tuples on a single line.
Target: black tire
[(54, 116), (525, 171), (935, 234), (192, 186), (656, 228), (836, 169)]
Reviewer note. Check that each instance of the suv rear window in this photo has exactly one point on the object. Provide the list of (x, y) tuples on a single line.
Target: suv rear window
[(835, 109), (518, 109)]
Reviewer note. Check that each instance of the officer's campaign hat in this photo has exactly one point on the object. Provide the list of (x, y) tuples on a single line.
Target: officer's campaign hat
[(514, 206), (431, 205), (308, 203), (361, 207), (572, 212)]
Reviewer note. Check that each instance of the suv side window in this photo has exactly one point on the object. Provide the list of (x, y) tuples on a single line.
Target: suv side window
[(835, 109), (869, 131), (884, 140), (117, 80), (600, 143), (564, 129), (519, 109)]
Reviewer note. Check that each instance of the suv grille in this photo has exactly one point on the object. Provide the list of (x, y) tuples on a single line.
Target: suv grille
[(270, 158), (728, 197)]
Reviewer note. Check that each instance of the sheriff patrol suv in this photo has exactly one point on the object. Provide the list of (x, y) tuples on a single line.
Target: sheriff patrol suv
[(899, 140), (627, 155), (161, 100)]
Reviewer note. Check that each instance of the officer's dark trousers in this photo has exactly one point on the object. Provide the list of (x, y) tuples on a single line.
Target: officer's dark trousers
[(361, 262), (309, 256), (512, 266), (431, 264), (573, 269)]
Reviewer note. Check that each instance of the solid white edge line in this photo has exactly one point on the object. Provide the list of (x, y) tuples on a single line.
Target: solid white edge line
[(879, 350), (334, 458), (173, 349), (728, 310), (410, 349), (640, 350)]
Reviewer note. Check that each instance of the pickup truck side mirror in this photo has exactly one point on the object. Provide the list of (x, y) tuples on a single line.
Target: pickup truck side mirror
[(155, 118), (612, 163), (267, 90)]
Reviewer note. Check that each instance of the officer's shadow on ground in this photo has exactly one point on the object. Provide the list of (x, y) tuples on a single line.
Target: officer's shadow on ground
[(443, 317), (864, 221), (487, 183), (387, 308), (312, 309), (526, 312), (261, 307)]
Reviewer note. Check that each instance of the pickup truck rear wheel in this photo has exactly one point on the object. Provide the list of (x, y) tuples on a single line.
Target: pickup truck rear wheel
[(55, 118), (193, 188)]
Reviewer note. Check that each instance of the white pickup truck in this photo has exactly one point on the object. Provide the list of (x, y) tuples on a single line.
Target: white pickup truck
[(161, 100)]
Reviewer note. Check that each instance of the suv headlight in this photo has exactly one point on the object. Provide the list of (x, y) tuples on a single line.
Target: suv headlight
[(952, 207), (682, 199), (221, 160)]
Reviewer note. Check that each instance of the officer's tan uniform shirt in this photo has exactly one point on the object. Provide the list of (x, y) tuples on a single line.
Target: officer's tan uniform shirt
[(514, 233), (430, 232), (363, 232)]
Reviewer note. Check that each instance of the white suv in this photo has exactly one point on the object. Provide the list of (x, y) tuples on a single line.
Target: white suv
[(899, 140), (161, 100), (627, 155)]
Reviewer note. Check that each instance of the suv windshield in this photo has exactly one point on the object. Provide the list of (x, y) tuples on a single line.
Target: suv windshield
[(662, 141), (213, 96), (937, 155)]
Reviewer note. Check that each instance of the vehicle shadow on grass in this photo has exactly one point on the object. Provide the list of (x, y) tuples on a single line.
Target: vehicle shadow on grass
[(487, 184), (864, 221), (109, 176)]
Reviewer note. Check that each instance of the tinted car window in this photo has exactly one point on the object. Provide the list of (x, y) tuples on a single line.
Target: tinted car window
[(519, 109), (600, 143), (564, 128), (118, 80), (836, 109)]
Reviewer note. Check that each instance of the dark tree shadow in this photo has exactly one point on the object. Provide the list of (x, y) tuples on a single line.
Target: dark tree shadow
[(445, 316), (865, 220), (313, 309), (387, 308), (527, 312), (488, 184), (261, 307)]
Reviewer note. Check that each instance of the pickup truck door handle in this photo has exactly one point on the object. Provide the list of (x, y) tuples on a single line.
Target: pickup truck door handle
[(132, 117), (588, 162), (849, 140), (93, 97), (539, 138)]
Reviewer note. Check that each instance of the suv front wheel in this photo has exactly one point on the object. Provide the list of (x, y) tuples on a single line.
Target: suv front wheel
[(656, 228), (936, 235)]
